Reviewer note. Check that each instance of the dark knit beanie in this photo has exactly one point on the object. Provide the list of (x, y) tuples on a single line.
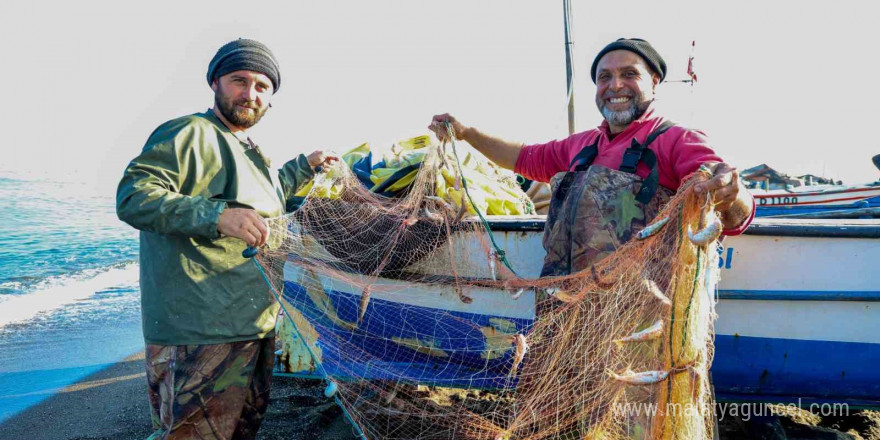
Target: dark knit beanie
[(244, 54), (637, 46)]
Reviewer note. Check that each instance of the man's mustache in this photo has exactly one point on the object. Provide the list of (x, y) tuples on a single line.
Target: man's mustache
[(247, 104), (628, 94)]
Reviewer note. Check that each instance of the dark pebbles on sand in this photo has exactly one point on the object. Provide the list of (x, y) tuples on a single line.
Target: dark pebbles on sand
[(112, 405), (299, 411)]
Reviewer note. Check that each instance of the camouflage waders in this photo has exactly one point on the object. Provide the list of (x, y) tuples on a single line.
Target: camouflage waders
[(595, 209), (209, 392)]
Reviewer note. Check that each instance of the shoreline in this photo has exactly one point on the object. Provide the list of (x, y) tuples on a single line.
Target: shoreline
[(111, 404), (103, 405)]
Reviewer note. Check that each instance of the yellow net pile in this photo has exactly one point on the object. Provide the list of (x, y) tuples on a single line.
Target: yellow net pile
[(410, 310), (491, 191)]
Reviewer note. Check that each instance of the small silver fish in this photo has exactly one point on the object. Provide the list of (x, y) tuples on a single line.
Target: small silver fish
[(441, 153), (641, 378), (492, 267), (652, 332), (602, 284), (461, 296), (652, 287), (652, 229), (560, 294), (390, 395), (365, 301), (517, 294), (430, 215), (462, 209), (442, 203), (522, 347), (708, 234)]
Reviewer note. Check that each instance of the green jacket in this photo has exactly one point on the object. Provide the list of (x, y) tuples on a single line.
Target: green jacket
[(196, 288)]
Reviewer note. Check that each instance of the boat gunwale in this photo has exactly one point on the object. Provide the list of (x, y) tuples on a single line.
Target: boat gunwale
[(832, 228)]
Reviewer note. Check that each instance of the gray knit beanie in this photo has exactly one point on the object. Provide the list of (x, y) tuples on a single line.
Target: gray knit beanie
[(244, 54), (639, 47)]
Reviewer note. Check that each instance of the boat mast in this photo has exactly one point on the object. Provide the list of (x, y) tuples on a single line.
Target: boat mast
[(569, 72)]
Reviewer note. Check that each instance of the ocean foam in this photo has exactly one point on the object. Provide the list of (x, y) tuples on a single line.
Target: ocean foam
[(57, 292)]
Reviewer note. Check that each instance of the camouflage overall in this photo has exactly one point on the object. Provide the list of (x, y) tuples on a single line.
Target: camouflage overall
[(595, 209), (209, 392)]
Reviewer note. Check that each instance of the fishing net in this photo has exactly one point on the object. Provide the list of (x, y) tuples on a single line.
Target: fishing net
[(424, 324)]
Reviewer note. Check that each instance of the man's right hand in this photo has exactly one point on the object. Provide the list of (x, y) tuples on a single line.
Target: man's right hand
[(503, 153), (245, 224), (319, 158), (438, 126)]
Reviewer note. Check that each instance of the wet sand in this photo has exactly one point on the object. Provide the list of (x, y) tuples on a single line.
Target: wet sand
[(112, 405)]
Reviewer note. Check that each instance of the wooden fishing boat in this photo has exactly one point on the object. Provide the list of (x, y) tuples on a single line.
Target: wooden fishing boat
[(798, 315)]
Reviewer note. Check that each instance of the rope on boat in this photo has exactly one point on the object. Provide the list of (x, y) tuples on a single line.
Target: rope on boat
[(330, 390), (499, 253)]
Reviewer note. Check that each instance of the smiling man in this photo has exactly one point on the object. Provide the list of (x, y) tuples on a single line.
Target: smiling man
[(199, 192), (609, 182)]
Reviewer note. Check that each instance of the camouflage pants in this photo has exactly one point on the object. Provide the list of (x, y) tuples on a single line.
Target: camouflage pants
[(209, 392)]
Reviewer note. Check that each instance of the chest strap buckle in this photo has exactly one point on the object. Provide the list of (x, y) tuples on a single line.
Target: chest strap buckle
[(631, 157)]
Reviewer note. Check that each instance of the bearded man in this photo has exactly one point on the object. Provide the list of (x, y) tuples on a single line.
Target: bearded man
[(199, 192), (609, 182)]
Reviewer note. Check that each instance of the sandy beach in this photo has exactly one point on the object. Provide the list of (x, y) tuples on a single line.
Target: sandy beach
[(112, 405)]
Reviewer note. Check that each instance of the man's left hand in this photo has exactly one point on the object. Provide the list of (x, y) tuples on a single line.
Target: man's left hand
[(734, 205), (320, 158)]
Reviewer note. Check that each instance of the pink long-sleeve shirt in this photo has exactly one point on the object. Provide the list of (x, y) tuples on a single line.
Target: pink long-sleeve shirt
[(680, 152)]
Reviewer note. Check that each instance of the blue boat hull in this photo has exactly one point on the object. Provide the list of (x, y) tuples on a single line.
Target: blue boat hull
[(397, 349), (775, 369), (784, 370)]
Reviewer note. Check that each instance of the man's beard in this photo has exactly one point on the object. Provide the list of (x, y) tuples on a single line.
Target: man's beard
[(240, 117), (638, 106)]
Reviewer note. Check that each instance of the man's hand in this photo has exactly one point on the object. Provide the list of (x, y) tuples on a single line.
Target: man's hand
[(245, 224), (438, 126), (318, 158), (734, 205), (503, 153), (724, 185)]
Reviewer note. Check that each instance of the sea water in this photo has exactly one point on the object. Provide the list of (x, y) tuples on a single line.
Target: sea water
[(69, 301)]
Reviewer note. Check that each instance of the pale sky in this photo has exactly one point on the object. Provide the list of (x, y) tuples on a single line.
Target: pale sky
[(789, 83)]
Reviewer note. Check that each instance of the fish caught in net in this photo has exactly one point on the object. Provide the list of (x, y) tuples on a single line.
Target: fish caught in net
[(416, 315)]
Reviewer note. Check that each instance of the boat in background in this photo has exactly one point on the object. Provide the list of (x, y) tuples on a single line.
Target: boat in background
[(778, 195), (819, 201), (798, 315)]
